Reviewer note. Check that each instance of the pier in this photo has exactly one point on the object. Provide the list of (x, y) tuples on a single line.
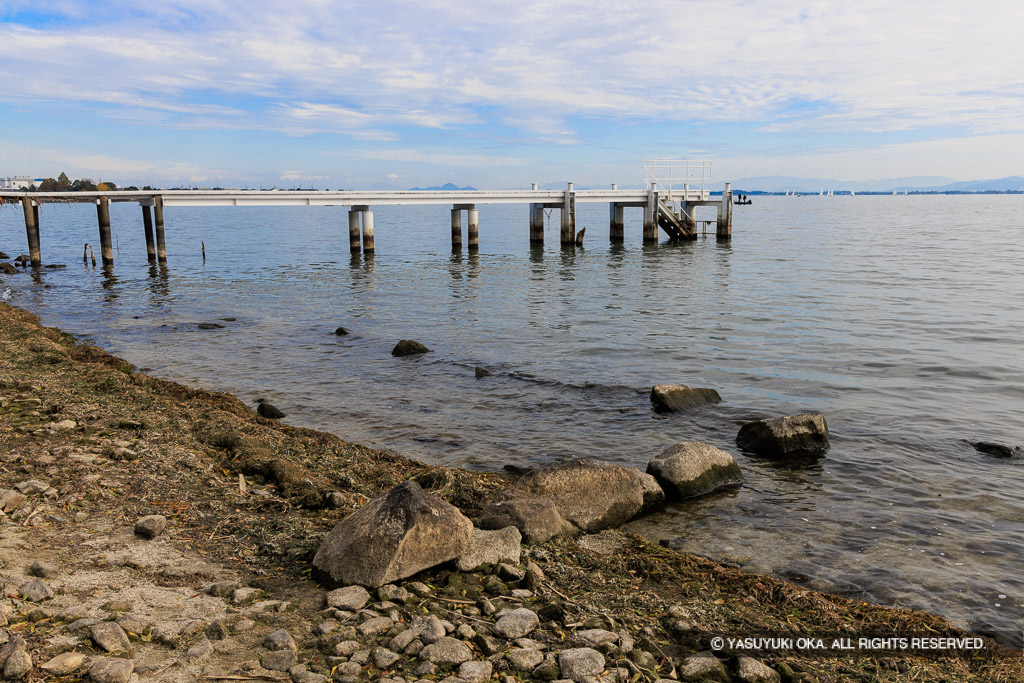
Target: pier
[(665, 208)]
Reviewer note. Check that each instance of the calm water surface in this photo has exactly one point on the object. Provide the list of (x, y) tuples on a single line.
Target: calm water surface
[(899, 318)]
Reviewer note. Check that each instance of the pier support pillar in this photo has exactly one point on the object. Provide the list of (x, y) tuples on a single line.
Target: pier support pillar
[(616, 230), (473, 229), (367, 230), (536, 223), (569, 218), (651, 217), (456, 228), (158, 218), (32, 231), (724, 227), (103, 218), (353, 230), (147, 228)]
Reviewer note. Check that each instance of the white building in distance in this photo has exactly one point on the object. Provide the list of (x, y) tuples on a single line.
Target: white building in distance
[(20, 182)]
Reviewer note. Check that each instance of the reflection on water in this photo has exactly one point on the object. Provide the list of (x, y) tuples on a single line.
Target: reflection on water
[(893, 319)]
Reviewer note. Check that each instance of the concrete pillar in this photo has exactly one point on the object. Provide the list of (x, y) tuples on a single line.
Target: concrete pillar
[(617, 226), (651, 217), (536, 223), (32, 230), (533, 186), (569, 217), (615, 186), (158, 218), (473, 229), (147, 227), (103, 218), (367, 231), (456, 228), (353, 230), (724, 227)]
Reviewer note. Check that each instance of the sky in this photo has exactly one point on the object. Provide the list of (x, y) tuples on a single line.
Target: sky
[(393, 94)]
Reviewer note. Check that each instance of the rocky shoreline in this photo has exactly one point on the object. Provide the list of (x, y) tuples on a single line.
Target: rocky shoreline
[(153, 532)]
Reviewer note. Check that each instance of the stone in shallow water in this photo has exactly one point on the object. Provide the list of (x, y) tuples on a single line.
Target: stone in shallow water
[(782, 437), (676, 397), (408, 347), (692, 468)]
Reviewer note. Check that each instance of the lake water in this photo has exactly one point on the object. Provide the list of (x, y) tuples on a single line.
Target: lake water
[(899, 318)]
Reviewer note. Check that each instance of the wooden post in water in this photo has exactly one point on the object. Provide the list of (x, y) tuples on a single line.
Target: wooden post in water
[(147, 227), (353, 230), (473, 227), (569, 218), (536, 223), (158, 216), (103, 218), (367, 230), (616, 232), (651, 216), (456, 227), (724, 227), (32, 230)]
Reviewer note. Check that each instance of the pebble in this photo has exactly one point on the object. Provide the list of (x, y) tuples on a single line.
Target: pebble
[(525, 659), (64, 664), (447, 651), (244, 595), (35, 590), (579, 662), (516, 624), (111, 670), (347, 647), (280, 640), (351, 598), (475, 672), (430, 628), (376, 625), (43, 570), (384, 658), (151, 526), (222, 589), (200, 651), (109, 636), (750, 670), (278, 660), (18, 664)]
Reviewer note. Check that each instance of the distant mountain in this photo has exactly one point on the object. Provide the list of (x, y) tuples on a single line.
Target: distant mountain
[(1007, 184), (815, 185), (448, 187)]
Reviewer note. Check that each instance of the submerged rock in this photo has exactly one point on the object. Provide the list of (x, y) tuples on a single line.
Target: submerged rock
[(481, 372), (780, 437), (997, 450), (8, 268), (692, 468), (674, 397), (591, 494), (394, 536), (408, 347), (341, 331)]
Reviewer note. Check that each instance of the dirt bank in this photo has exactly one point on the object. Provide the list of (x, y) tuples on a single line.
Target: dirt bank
[(88, 446)]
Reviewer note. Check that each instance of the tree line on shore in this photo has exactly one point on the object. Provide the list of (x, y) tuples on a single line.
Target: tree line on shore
[(64, 184)]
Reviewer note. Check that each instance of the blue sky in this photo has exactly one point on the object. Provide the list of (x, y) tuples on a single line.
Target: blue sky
[(396, 94)]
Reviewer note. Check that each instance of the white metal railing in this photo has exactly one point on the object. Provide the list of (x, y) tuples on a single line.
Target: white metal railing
[(677, 179)]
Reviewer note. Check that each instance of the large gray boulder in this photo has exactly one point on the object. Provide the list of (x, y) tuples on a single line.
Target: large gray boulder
[(536, 517), (591, 494), (667, 398), (395, 535), (780, 437), (692, 468)]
